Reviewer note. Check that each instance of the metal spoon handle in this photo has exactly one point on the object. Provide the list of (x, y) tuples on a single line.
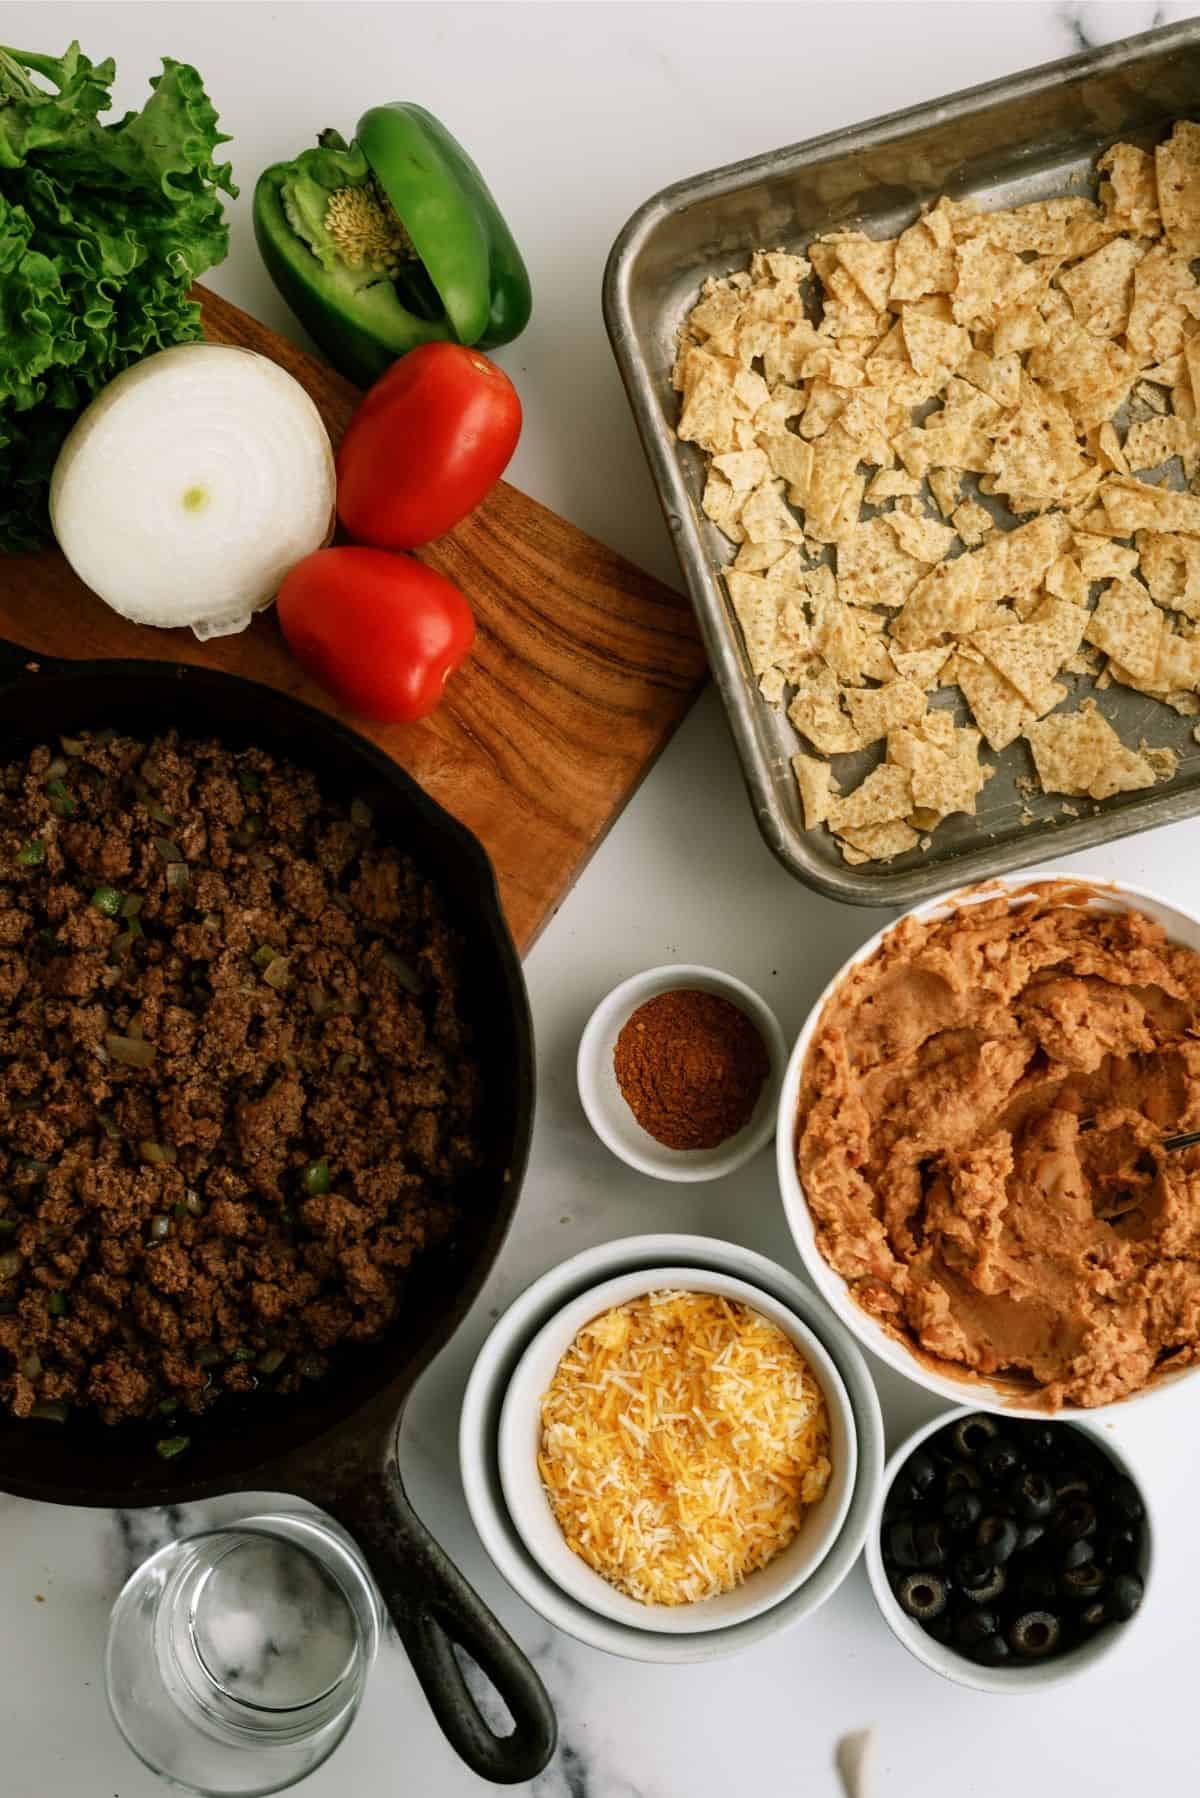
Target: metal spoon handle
[(1181, 1142)]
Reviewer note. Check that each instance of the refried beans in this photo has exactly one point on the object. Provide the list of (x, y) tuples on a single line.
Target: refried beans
[(978, 1143), (237, 1089)]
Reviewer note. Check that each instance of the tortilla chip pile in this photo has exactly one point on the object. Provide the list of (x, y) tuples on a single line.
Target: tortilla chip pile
[(928, 487)]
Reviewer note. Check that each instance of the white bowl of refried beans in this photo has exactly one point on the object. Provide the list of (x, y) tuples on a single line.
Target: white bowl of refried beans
[(969, 1144)]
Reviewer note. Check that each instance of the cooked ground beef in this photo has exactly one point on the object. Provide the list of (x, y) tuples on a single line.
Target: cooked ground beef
[(237, 1091)]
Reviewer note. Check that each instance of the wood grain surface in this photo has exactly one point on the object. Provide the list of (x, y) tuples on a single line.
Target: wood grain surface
[(582, 667)]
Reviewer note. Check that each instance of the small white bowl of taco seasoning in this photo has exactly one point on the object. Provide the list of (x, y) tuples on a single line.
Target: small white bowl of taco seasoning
[(657, 1057), (776, 1394)]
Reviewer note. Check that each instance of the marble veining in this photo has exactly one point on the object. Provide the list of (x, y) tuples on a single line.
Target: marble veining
[(581, 1768), (1094, 22), (596, 1751), (573, 1774)]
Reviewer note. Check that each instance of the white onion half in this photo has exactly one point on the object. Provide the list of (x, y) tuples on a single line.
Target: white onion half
[(191, 485)]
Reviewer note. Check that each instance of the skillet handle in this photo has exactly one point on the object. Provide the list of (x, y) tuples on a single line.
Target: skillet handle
[(434, 1608)]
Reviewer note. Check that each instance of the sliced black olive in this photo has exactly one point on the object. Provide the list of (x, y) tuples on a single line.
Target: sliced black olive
[(962, 1477), (998, 1537), (962, 1510), (999, 1458), (1033, 1634), (1077, 1554), (899, 1501), (921, 1470), (1071, 1485), (974, 1569), (1125, 1595), (1032, 1496), (979, 1576), (970, 1433), (974, 1627), (900, 1546), (922, 1596), (1084, 1582), (1074, 1516), (930, 1542), (991, 1652), (1118, 1551), (1126, 1501), (902, 1497), (1031, 1535), (940, 1628), (1093, 1615), (991, 1589)]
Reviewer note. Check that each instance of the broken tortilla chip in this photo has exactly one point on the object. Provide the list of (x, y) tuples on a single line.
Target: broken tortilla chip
[(1177, 166), (1101, 560), (996, 706), (924, 538), (1029, 655), (1130, 194), (886, 793), (839, 639), (921, 666), (1156, 440), (891, 483), (873, 570), (757, 611), (870, 265), (817, 788), (972, 522), (1170, 566), (817, 713), (945, 484), (1132, 505), (1100, 288), (1129, 627), (877, 710), (878, 842), (1080, 753), (765, 519), (943, 760)]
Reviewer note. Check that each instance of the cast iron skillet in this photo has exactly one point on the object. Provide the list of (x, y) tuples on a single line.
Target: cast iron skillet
[(336, 1448)]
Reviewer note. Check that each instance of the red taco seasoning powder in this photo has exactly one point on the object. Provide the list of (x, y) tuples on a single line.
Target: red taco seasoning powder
[(690, 1066)]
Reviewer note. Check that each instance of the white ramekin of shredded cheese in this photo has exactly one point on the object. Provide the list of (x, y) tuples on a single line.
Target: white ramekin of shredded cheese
[(677, 1450)]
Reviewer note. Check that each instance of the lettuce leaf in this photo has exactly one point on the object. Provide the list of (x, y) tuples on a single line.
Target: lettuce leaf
[(103, 229)]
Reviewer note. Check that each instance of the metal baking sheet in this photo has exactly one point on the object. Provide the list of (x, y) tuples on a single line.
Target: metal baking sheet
[(1029, 137)]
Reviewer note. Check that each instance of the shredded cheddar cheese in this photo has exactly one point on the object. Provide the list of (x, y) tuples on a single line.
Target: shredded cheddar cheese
[(683, 1438)]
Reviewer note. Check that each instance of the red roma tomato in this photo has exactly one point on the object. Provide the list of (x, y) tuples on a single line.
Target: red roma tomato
[(428, 441), (382, 633)]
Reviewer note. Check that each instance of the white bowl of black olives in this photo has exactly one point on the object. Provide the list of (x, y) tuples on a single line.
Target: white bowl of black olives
[(1007, 1554)]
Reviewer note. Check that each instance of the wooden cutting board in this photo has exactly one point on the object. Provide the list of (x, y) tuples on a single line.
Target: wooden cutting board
[(582, 668)]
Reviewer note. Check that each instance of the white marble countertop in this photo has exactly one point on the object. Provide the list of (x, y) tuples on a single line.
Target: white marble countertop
[(578, 113)]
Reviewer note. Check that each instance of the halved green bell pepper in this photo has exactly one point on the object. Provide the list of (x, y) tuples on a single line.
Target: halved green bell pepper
[(390, 241)]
